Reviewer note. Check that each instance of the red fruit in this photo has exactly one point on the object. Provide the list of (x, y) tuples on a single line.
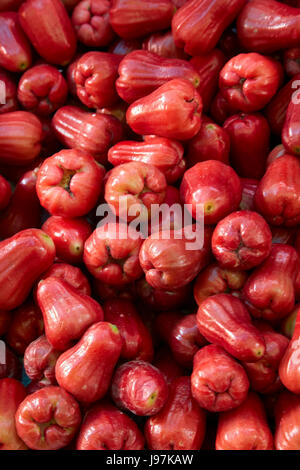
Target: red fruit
[(164, 154), (244, 92), (137, 341), (152, 16), (209, 17), (289, 365), (42, 90), (20, 138), (287, 326), (23, 258), (49, 29), (287, 409), (291, 59), (171, 259), (180, 425), (90, 19), (11, 102), (159, 299), (223, 320), (93, 133), (212, 189), (141, 72), (249, 144), (267, 26), (211, 143), (219, 383), (111, 254), (216, 280), (242, 240), (24, 210), (208, 67), (220, 109), (290, 132), (74, 276), (95, 76), (12, 393), (40, 359), (86, 369), (5, 193), (139, 387), (69, 183), (69, 236), (163, 44), (15, 52), (107, 428), (67, 313), (270, 289), (249, 187), (245, 427), (132, 188), (278, 194), (181, 334), (48, 419), (173, 110)]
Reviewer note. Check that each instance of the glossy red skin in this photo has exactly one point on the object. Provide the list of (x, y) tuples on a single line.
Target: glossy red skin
[(124, 46), (70, 274), (270, 289), (20, 138), (218, 382), (213, 186), (277, 108), (287, 410), (5, 193), (249, 81), (139, 387), (267, 26), (69, 236), (90, 19), (249, 144), (23, 258), (242, 240), (249, 187), (141, 72), (24, 210), (86, 369), (67, 313), (93, 133), (152, 16), (42, 89), (49, 28), (290, 131), (277, 196), (111, 254), (15, 53), (181, 334), (289, 365), (48, 419), (137, 341), (12, 367), (95, 76), (26, 325), (69, 183), (164, 154), (165, 362), (5, 319), (11, 102), (173, 110), (168, 264), (224, 320), (163, 44), (277, 152), (211, 143), (216, 280), (208, 67), (220, 109), (12, 393), (40, 359), (107, 428), (132, 188), (245, 427), (180, 425), (162, 300), (209, 17)]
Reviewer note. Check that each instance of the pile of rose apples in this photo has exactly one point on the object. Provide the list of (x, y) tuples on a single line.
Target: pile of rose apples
[(117, 333)]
